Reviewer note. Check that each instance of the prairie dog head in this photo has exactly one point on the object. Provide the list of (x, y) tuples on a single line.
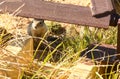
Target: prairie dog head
[(37, 23)]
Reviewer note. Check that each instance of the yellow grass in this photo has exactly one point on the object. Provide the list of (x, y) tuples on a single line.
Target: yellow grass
[(13, 62)]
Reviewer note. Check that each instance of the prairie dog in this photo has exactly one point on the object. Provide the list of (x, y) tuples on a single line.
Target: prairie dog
[(37, 28)]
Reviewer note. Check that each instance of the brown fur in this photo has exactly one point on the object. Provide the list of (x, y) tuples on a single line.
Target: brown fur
[(37, 28)]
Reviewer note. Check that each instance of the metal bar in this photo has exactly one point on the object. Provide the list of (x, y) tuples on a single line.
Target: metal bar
[(55, 11), (101, 7), (118, 40)]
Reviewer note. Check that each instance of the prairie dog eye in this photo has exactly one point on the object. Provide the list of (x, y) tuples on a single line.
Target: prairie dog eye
[(40, 22)]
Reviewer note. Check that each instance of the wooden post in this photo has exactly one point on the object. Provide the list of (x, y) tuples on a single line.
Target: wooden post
[(118, 40)]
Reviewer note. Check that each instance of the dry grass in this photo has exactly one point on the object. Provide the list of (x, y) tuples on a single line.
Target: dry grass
[(15, 64), (14, 24), (18, 63)]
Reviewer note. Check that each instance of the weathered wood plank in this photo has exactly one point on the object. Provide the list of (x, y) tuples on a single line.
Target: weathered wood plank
[(101, 7), (56, 12)]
